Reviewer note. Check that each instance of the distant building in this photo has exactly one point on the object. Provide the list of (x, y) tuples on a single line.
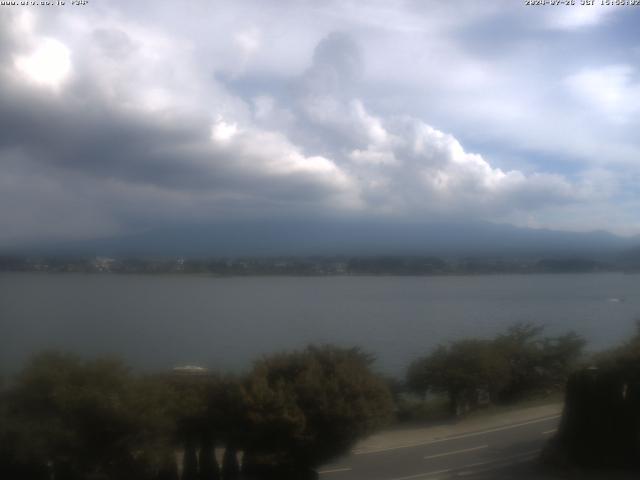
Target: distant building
[(103, 264), (180, 264)]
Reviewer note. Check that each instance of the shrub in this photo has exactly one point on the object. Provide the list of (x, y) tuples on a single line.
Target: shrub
[(306, 407), (515, 364)]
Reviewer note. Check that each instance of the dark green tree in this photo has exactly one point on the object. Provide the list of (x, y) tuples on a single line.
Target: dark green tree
[(194, 425), (306, 407), (463, 370), (537, 363), (85, 417), (190, 461), (514, 364), (230, 465), (521, 346), (209, 469), (168, 469)]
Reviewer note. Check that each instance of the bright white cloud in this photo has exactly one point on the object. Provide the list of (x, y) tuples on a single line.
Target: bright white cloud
[(271, 156), (430, 171), (49, 64), (222, 131)]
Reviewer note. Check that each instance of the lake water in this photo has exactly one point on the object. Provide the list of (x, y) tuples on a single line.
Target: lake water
[(156, 322)]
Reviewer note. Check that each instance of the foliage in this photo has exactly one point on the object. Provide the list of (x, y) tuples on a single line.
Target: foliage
[(420, 409), (460, 370), (84, 417), (536, 362), (72, 418), (510, 366), (306, 407), (209, 468), (625, 357), (600, 426), (230, 465)]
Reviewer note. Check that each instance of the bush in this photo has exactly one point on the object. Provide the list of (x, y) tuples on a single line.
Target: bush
[(418, 409), (78, 417), (600, 426), (462, 370), (306, 407), (72, 419), (511, 366)]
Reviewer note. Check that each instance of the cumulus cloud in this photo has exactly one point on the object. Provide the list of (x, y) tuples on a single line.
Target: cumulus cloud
[(141, 126), (424, 170)]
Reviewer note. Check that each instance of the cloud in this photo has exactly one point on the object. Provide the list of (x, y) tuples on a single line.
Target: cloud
[(138, 130), (613, 90), (425, 171), (579, 16), (152, 123), (248, 42), (49, 64)]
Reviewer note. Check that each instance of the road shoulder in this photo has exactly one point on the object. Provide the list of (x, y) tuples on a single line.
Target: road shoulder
[(398, 438)]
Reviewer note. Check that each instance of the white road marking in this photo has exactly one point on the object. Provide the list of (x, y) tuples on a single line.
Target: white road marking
[(334, 470), (498, 463), (454, 452), (463, 473), (457, 437), (523, 454), (422, 475), (549, 432)]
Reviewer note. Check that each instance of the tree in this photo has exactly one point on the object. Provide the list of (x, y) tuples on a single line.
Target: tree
[(521, 347), (190, 460), (85, 417), (462, 370), (304, 408), (202, 409), (560, 355), (536, 363), (625, 356), (230, 465), (209, 468), (600, 424), (225, 410), (516, 363)]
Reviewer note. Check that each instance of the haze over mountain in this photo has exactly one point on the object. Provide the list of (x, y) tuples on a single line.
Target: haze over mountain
[(360, 238)]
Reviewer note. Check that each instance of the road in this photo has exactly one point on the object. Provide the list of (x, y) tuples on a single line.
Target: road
[(499, 450)]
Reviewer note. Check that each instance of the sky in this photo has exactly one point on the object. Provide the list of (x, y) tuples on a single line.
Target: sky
[(118, 117)]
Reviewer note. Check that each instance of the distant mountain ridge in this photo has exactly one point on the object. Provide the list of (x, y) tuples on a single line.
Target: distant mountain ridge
[(341, 237)]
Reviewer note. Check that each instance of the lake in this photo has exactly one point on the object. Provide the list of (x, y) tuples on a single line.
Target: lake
[(157, 322)]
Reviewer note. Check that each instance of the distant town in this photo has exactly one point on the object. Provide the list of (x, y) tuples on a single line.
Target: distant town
[(310, 266)]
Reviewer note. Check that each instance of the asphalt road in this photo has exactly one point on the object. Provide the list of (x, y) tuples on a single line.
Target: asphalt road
[(504, 452)]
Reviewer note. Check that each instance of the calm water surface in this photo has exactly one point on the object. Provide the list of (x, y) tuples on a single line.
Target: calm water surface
[(156, 322)]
